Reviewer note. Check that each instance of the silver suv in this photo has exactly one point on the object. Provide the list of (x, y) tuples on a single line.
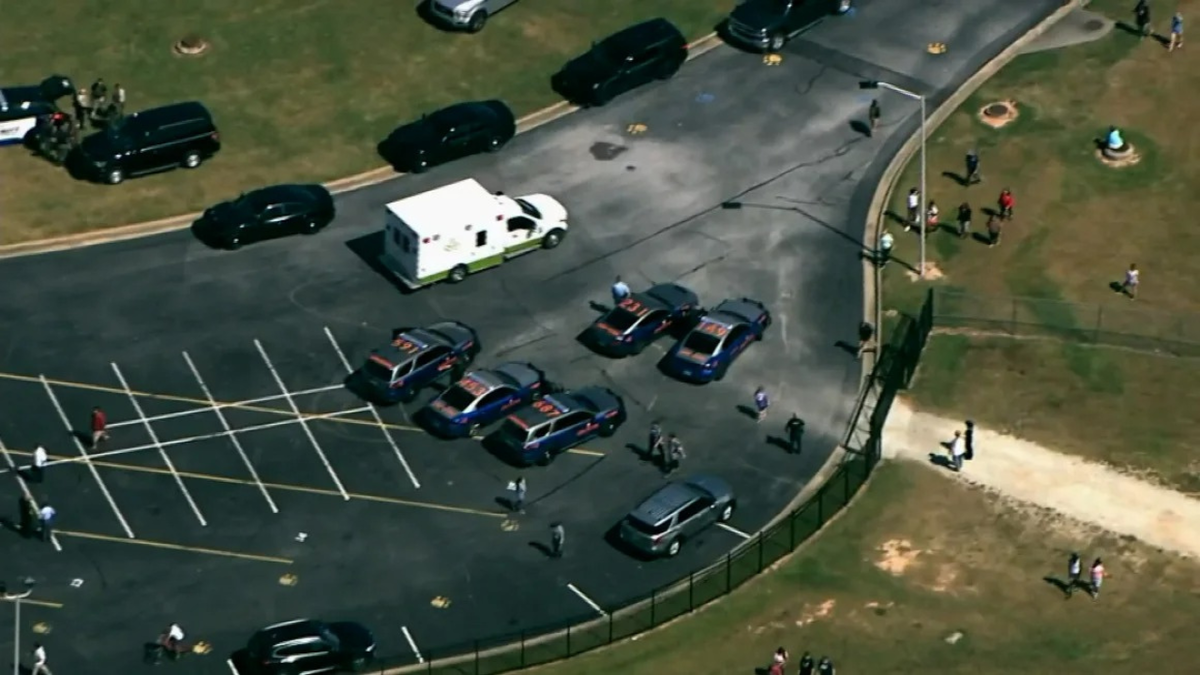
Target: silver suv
[(471, 15), (676, 512)]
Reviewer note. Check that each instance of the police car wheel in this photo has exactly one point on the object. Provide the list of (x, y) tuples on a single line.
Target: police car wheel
[(458, 274), (233, 245), (552, 239), (777, 42), (721, 370), (674, 547), (310, 228), (115, 176), (726, 513), (477, 22), (191, 160), (408, 396), (607, 429), (494, 144)]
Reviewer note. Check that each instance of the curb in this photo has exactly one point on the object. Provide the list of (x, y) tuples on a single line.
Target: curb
[(108, 235)]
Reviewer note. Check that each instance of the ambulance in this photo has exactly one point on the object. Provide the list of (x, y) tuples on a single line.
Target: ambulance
[(456, 230)]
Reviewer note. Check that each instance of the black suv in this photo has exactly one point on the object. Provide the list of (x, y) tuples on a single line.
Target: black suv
[(309, 646), (157, 139), (769, 24), (651, 50)]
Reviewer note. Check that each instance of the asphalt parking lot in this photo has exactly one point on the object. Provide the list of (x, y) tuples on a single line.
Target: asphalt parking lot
[(243, 485)]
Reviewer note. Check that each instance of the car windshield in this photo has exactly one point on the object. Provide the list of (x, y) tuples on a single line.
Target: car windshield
[(376, 370), (512, 432), (621, 319), (702, 343), (529, 209), (458, 398), (646, 528)]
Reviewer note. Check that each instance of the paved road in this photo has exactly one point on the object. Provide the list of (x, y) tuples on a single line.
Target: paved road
[(326, 518)]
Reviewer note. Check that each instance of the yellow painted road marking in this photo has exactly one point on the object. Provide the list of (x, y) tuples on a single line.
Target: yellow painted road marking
[(176, 547), (38, 603), (288, 487)]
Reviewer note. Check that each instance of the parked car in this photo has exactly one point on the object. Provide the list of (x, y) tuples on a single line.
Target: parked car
[(638, 320), (268, 213), (307, 646), (22, 107), (652, 50), (469, 15), (553, 424), (769, 24), (676, 512), (450, 133), (416, 358), (484, 396), (152, 140), (710, 348)]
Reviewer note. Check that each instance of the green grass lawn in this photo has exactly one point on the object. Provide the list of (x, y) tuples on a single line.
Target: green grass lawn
[(917, 558), (301, 90), (1078, 225)]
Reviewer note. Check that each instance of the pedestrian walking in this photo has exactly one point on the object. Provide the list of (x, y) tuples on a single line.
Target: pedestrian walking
[(932, 214), (26, 513), (46, 521), (825, 667), (964, 220), (655, 447), (807, 664), (37, 472), (99, 427), (517, 487), (958, 449), (761, 403), (873, 115), (675, 455), (866, 332), (884, 255), (972, 162), (1176, 32), (1141, 15), (82, 102), (795, 434), (993, 228), (1074, 572), (780, 656), (620, 291), (558, 537), (1097, 579), (969, 440), (39, 660), (914, 209), (118, 100), (1006, 202), (1130, 285)]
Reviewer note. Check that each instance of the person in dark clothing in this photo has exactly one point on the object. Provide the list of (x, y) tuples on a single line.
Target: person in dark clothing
[(1074, 572), (964, 220), (993, 228), (558, 536), (825, 667), (873, 115), (655, 445), (969, 437), (795, 434), (865, 332), (972, 167), (807, 664), (1141, 15)]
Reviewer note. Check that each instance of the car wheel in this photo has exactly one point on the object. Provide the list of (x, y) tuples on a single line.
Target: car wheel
[(191, 160), (310, 227), (494, 144), (553, 238), (472, 430), (114, 176), (777, 42), (421, 165), (477, 22), (674, 547), (458, 274), (721, 370), (234, 244), (726, 513), (607, 428), (358, 665)]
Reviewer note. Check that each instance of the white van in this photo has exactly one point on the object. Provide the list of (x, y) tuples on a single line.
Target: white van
[(457, 229)]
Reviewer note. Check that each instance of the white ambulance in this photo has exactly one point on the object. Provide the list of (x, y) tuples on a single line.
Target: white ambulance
[(461, 228)]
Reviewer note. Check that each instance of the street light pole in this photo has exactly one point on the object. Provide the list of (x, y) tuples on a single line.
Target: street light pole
[(922, 223), (16, 599)]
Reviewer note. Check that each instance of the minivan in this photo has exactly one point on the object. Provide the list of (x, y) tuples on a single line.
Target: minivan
[(152, 140), (678, 511)]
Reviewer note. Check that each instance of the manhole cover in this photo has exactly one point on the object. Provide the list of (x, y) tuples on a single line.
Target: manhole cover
[(996, 110), (1094, 24)]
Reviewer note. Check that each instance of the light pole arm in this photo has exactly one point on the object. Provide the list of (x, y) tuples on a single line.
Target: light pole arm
[(900, 90)]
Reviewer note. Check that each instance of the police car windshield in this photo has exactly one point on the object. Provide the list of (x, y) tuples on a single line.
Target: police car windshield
[(512, 432), (529, 209), (458, 398), (702, 343), (621, 319), (377, 370)]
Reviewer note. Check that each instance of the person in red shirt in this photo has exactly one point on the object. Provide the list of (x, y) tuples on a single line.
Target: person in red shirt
[(99, 426), (1006, 203)]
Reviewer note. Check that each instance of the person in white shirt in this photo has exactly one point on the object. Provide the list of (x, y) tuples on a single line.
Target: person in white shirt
[(40, 458), (39, 660), (620, 291), (914, 209), (46, 520), (958, 448)]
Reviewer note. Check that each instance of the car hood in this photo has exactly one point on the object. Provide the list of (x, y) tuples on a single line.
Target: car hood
[(757, 14), (100, 145), (354, 637), (226, 215), (552, 210)]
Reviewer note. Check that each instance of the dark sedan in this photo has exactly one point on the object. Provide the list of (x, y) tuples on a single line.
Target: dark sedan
[(651, 50), (448, 134), (268, 213), (638, 320)]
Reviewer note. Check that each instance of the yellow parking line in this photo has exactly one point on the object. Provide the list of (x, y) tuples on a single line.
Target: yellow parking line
[(175, 547), (281, 486), (582, 451), (38, 603)]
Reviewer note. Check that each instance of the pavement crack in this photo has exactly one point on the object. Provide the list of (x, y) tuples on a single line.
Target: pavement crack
[(812, 81)]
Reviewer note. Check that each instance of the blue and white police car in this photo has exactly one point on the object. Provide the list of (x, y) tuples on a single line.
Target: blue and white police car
[(415, 358), (482, 397), (550, 426), (708, 350), (22, 107)]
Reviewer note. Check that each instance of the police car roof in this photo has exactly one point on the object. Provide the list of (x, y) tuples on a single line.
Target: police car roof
[(672, 295), (743, 309), (14, 97), (517, 373)]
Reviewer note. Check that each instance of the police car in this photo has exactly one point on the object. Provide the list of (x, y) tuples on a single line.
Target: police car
[(22, 107), (550, 426), (637, 320), (707, 351), (482, 397), (415, 358)]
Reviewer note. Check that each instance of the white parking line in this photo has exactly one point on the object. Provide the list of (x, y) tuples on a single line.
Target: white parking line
[(411, 643), (591, 603), (25, 490), (232, 435), (83, 455), (161, 453), (232, 668), (232, 404), (303, 424), (203, 437), (734, 530), (374, 413)]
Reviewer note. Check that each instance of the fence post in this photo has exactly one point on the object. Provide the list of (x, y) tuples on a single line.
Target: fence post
[(691, 591), (728, 571), (653, 602)]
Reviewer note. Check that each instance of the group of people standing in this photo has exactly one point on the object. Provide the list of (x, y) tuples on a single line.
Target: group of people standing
[(97, 106), (808, 665)]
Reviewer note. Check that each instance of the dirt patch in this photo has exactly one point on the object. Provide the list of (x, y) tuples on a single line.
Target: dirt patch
[(932, 272), (897, 556), (946, 580), (810, 615), (999, 114), (1131, 159)]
